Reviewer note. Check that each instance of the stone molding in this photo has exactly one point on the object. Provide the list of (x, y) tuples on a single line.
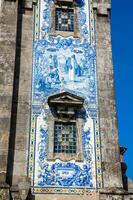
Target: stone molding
[(115, 194), (29, 4)]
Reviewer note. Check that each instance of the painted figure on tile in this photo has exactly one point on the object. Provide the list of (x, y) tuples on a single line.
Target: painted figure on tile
[(71, 70), (51, 63), (77, 67), (55, 60), (67, 64)]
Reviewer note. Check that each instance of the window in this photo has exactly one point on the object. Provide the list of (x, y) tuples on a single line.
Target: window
[(64, 127), (65, 137), (64, 19)]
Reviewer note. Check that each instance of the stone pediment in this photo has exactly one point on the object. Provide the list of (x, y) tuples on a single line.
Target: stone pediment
[(75, 2), (65, 99)]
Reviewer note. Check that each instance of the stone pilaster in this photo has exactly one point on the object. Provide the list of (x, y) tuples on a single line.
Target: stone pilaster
[(24, 95), (8, 21), (107, 110)]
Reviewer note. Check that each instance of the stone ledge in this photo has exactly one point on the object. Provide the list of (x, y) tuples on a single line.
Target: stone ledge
[(115, 191), (4, 186), (15, 193), (94, 196)]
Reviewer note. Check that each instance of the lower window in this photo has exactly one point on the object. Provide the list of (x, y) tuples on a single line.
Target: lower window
[(65, 137)]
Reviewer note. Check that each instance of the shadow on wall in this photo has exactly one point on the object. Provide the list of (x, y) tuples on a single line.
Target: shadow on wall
[(11, 150), (124, 177)]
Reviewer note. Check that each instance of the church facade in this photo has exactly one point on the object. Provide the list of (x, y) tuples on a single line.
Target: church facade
[(58, 126)]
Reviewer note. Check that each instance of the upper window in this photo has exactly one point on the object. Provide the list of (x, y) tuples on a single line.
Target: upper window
[(64, 19)]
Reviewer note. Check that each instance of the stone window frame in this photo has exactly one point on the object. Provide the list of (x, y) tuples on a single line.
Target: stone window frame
[(67, 5), (64, 107), (78, 156)]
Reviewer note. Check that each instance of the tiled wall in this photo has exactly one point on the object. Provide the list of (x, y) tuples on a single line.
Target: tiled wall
[(64, 64)]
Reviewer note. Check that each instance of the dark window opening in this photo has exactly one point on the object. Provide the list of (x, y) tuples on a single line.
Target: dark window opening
[(64, 19), (65, 137)]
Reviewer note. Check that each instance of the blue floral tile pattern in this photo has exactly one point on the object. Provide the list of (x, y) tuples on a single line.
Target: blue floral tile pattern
[(64, 64)]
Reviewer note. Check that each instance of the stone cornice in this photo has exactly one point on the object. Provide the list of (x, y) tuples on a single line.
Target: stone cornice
[(29, 4), (102, 8)]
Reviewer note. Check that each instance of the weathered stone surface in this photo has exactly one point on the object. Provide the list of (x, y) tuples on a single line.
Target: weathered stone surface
[(4, 194), (2, 177), (3, 162), (130, 185), (97, 196), (108, 124), (67, 197), (15, 193), (4, 188), (8, 20), (115, 194), (22, 123)]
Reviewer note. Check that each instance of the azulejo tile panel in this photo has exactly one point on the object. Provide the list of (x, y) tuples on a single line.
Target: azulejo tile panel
[(64, 64)]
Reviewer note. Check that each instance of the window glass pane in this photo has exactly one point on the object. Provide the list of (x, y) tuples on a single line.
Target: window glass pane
[(65, 137), (64, 19)]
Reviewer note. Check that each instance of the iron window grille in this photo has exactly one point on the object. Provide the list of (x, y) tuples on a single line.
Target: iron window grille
[(64, 19), (65, 137)]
